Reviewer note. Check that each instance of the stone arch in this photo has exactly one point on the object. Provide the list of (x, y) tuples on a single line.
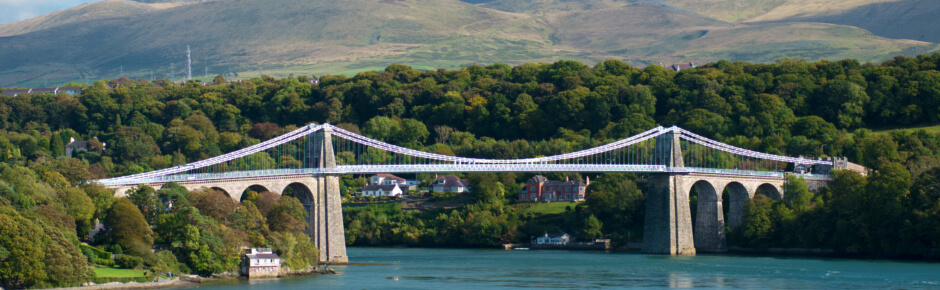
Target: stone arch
[(736, 195), (300, 191), (709, 228), (222, 190), (306, 193), (254, 187), (770, 191)]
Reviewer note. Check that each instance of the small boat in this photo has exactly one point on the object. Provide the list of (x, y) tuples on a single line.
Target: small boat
[(521, 249)]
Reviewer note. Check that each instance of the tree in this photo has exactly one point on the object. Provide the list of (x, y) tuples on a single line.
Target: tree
[(382, 128), (287, 214), (23, 264), (64, 262), (132, 144), (79, 206), (126, 226), (485, 187), (615, 198), (218, 80), (796, 193), (146, 200), (413, 132), (757, 227), (213, 203), (592, 228)]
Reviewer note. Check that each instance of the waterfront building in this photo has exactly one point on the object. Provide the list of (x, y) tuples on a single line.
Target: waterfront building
[(553, 239), (260, 263)]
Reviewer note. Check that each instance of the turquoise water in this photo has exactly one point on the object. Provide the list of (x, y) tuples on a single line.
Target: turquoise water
[(453, 269)]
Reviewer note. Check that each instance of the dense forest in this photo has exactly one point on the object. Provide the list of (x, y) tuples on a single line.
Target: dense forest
[(791, 107)]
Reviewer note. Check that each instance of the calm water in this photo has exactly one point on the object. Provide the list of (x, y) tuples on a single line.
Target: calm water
[(453, 269)]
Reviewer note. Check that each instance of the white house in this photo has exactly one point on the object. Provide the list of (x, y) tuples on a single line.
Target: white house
[(450, 183), (381, 190), (387, 179), (553, 239), (260, 263)]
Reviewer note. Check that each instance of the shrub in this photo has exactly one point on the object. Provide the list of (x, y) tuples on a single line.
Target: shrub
[(127, 261), (98, 253)]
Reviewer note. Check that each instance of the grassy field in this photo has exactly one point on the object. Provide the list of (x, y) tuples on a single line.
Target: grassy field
[(118, 273), (551, 208), (929, 128)]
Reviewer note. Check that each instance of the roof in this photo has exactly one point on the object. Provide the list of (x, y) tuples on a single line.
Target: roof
[(77, 144), (556, 235), (388, 176), (537, 179), (542, 179), (70, 88), (262, 256), (374, 187), (451, 180), (681, 66), (14, 92), (566, 183)]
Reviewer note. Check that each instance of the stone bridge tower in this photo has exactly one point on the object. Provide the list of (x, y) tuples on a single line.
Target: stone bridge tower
[(668, 224), (326, 215)]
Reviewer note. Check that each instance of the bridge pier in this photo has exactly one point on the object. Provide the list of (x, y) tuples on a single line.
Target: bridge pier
[(330, 233), (709, 221), (668, 226)]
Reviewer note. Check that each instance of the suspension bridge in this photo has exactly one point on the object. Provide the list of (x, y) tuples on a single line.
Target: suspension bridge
[(306, 163)]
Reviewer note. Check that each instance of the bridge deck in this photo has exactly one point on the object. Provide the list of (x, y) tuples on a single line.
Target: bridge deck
[(448, 168)]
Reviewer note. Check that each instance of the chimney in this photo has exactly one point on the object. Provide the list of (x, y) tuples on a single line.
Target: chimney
[(71, 139), (588, 180), (566, 178)]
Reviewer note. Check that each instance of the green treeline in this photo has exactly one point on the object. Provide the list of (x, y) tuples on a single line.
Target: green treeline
[(887, 214), (790, 107)]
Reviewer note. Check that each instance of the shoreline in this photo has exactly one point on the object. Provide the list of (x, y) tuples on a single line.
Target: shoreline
[(194, 280), (170, 283)]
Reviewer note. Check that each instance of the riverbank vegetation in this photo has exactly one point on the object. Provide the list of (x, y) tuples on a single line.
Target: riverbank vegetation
[(791, 107)]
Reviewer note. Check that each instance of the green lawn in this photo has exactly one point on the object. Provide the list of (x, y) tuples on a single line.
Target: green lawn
[(118, 273), (928, 128), (551, 208)]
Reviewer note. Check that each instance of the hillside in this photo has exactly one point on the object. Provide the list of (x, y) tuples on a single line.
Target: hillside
[(82, 13), (907, 19), (897, 19), (251, 37)]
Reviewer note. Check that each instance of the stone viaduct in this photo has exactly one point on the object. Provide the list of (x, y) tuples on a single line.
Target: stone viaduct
[(668, 227)]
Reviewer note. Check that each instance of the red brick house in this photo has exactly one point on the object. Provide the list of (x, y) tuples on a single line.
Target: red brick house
[(539, 188)]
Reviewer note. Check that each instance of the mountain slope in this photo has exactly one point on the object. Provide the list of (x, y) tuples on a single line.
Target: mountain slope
[(901, 19), (87, 12), (282, 37), (258, 32)]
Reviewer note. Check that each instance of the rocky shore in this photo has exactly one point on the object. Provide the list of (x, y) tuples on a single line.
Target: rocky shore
[(160, 284)]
